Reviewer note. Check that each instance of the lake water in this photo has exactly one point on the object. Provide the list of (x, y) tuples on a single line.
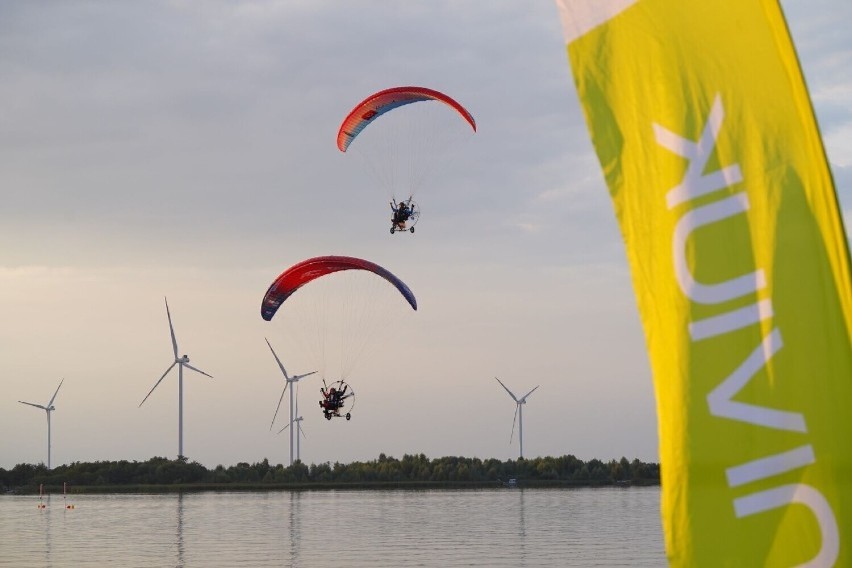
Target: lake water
[(447, 528)]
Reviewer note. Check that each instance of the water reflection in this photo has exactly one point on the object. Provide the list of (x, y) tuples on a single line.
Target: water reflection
[(522, 529), (48, 536), (295, 527), (180, 543), (357, 529)]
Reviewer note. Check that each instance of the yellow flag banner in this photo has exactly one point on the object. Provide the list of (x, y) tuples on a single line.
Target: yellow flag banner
[(702, 122)]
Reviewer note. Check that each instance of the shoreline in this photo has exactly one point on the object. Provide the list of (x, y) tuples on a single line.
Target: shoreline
[(318, 486)]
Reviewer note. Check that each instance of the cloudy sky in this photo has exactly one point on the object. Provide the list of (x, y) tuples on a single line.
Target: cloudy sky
[(188, 150)]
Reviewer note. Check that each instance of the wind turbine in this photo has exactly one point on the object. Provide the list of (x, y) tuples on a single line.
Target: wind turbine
[(298, 420), (181, 362), (289, 379), (519, 415), (48, 409)]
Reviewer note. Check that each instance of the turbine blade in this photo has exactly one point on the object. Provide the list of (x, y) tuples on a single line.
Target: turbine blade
[(524, 398), (157, 383), (277, 408), (305, 436), (277, 360), (31, 404), (54, 394), (188, 366), (171, 329), (300, 377), (513, 423), (507, 390), (282, 429)]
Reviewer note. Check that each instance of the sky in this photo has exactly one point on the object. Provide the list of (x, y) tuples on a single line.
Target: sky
[(187, 150)]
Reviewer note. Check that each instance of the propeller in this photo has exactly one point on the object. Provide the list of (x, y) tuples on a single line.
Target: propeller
[(288, 380), (518, 403), (183, 361)]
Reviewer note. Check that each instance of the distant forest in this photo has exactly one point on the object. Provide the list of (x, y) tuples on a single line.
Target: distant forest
[(411, 470)]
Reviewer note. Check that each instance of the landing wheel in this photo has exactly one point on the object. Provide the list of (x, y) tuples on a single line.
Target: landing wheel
[(412, 229), (393, 230), (328, 415), (348, 416)]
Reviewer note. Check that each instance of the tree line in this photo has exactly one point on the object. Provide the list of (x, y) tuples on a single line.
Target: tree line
[(411, 469)]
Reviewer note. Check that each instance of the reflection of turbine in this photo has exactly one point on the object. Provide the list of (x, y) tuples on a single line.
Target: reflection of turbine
[(181, 362), (295, 526), (289, 379), (522, 561), (180, 545), (48, 534), (519, 415), (48, 409), (298, 420)]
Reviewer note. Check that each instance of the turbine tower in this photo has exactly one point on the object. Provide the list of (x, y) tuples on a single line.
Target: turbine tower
[(298, 420), (519, 415), (181, 362), (48, 408), (289, 379)]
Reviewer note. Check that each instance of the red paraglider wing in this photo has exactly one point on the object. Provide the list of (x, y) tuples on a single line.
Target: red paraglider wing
[(304, 272), (379, 103)]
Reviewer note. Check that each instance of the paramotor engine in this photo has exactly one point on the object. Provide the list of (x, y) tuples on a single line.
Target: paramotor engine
[(406, 213), (338, 400)]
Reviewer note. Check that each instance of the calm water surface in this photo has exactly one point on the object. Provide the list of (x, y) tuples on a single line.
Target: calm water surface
[(446, 528)]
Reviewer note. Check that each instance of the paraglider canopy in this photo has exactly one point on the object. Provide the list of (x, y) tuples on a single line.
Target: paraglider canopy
[(379, 103), (308, 270), (345, 308), (411, 146)]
